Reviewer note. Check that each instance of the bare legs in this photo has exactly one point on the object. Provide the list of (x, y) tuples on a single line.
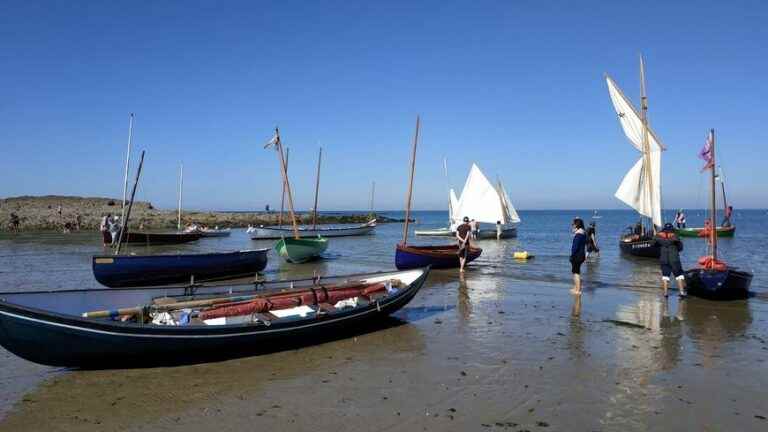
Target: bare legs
[(576, 284)]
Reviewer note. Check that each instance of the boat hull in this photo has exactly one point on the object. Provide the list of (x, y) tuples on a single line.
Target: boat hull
[(696, 232), (147, 270), (643, 248), (58, 339), (439, 232), (151, 239), (274, 233), (301, 250), (439, 257), (728, 284)]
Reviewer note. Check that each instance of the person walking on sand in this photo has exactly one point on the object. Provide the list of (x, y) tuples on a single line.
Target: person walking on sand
[(463, 233), (670, 246), (592, 247), (577, 253), (106, 236)]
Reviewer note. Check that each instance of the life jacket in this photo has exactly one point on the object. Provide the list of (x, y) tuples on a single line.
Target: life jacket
[(709, 263)]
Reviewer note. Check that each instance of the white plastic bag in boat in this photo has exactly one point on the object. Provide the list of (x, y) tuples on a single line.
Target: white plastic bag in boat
[(347, 303), (164, 318)]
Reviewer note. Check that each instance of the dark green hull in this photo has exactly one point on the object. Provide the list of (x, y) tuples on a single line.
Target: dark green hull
[(696, 232)]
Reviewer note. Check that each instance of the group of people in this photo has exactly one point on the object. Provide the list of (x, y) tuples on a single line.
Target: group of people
[(109, 227), (585, 241)]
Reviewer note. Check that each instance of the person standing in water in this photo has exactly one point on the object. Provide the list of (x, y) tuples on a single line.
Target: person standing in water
[(498, 230), (727, 219), (463, 233), (592, 240), (577, 253), (670, 246)]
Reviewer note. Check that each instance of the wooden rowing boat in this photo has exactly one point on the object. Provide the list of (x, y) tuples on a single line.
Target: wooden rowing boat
[(48, 327), (302, 249)]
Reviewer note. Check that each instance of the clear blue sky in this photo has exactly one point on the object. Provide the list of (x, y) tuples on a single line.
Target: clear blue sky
[(515, 86)]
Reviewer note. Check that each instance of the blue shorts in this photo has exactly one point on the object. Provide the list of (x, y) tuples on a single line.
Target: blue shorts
[(674, 269)]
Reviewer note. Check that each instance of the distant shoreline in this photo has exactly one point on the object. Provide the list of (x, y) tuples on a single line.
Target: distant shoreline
[(56, 213)]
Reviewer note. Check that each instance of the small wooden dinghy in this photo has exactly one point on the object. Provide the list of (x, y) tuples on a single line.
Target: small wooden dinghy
[(148, 270), (154, 239), (108, 328), (704, 232), (271, 233), (302, 249)]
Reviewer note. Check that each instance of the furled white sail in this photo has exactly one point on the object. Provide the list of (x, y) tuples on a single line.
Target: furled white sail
[(481, 201), (641, 187), (511, 213)]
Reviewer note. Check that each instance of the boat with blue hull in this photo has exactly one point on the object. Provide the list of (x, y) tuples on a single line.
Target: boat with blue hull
[(438, 257), (49, 327), (147, 270), (728, 284)]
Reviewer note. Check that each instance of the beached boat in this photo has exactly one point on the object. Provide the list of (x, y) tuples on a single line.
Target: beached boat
[(437, 232), (300, 250), (713, 278), (641, 187), (131, 327), (271, 233), (147, 270), (154, 239), (209, 232), (487, 204), (439, 256)]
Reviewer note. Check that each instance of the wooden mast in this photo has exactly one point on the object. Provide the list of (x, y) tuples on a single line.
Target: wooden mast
[(647, 168), (410, 184), (373, 191), (713, 202), (286, 183), (282, 197), (181, 188), (317, 189)]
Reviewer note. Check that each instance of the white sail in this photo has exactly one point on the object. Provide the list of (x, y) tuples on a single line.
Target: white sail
[(480, 200), (641, 187), (453, 203), (511, 213)]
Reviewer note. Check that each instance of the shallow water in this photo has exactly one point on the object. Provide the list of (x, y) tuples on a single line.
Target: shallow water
[(504, 348)]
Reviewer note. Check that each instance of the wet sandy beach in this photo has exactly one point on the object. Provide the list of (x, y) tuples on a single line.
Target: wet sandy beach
[(471, 355), (506, 348)]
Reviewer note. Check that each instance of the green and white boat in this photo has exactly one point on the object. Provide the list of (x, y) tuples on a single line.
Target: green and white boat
[(302, 249)]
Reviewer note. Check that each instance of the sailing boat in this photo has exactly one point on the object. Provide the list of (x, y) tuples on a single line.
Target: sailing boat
[(437, 256), (641, 187), (727, 230), (714, 279), (486, 203), (295, 249)]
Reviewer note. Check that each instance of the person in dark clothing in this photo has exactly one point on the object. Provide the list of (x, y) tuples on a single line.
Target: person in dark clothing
[(592, 240), (577, 253), (463, 234), (727, 219), (670, 246)]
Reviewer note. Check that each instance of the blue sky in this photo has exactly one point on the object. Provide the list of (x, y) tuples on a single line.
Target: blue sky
[(515, 86)]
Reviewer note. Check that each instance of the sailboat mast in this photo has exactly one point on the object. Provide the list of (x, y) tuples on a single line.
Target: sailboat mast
[(282, 196), (373, 191), (647, 169), (286, 183), (317, 188), (181, 188), (410, 184), (713, 202), (127, 167), (722, 186)]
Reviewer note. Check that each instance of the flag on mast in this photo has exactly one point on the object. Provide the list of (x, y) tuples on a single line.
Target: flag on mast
[(275, 139), (706, 152)]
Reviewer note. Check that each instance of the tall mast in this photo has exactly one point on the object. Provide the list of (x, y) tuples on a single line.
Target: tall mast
[(127, 167), (713, 203), (282, 197), (317, 189), (286, 183), (181, 188), (410, 184), (373, 191), (124, 228), (647, 170), (722, 186), (448, 190)]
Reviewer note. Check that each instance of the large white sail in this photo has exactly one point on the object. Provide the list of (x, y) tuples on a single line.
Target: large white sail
[(641, 187), (480, 200)]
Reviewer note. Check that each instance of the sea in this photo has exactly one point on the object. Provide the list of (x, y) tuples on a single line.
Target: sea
[(502, 347)]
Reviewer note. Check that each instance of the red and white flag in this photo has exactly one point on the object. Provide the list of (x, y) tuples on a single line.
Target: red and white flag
[(706, 152)]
